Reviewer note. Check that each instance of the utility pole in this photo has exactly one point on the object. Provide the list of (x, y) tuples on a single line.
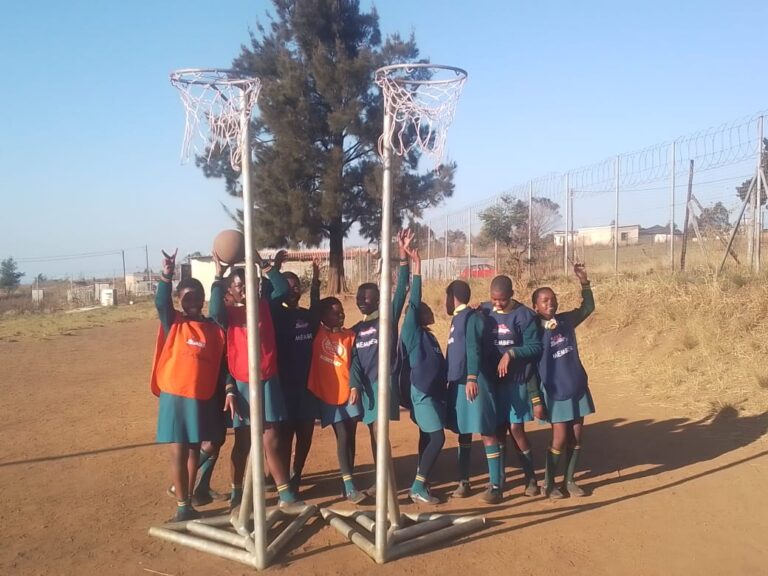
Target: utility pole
[(125, 276)]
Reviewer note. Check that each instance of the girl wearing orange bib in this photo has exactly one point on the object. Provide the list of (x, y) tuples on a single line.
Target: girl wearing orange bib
[(186, 374), (329, 382)]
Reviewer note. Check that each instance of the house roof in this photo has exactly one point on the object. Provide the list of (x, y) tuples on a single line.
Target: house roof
[(658, 229)]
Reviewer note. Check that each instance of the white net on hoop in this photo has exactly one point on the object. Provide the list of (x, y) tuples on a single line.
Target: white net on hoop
[(213, 103), (421, 110)]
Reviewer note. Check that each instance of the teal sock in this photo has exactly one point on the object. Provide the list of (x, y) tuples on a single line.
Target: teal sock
[(493, 456), (503, 464), (526, 463), (465, 451), (207, 463), (236, 495), (419, 484), (285, 494), (349, 486)]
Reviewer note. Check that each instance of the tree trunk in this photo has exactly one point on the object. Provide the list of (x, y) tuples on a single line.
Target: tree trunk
[(336, 283)]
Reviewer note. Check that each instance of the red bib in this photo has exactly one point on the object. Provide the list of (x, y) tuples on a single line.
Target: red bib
[(237, 342), (188, 360)]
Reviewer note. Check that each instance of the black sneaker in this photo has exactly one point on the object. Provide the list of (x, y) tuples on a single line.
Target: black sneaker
[(355, 496), (184, 514), (462, 490), (531, 488), (575, 490), (492, 495), (426, 498)]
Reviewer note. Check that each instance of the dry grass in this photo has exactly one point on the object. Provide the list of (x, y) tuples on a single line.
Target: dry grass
[(16, 327), (685, 341)]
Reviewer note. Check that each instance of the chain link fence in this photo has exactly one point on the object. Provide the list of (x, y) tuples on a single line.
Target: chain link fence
[(696, 202)]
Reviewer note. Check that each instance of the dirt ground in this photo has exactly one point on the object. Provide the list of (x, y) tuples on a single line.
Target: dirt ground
[(82, 480)]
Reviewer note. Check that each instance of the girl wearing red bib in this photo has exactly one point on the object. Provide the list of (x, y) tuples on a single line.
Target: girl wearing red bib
[(185, 376), (233, 319)]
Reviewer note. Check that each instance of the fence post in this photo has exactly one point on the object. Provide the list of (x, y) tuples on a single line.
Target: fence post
[(758, 219), (530, 228), (567, 241), (445, 265), (616, 219), (686, 218), (469, 245), (429, 251), (672, 209)]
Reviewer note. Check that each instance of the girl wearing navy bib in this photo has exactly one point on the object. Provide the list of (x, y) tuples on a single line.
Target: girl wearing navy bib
[(427, 383), (512, 344), (294, 331), (471, 403), (564, 381), (365, 358)]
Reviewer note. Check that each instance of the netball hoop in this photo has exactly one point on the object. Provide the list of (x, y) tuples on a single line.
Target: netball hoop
[(215, 103), (419, 104), (218, 106)]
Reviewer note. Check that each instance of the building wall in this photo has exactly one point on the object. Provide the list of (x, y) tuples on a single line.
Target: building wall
[(602, 236)]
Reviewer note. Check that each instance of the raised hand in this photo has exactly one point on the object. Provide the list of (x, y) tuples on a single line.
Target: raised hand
[(221, 267), (581, 273), (169, 262), (280, 257), (408, 236), (413, 253), (315, 270), (404, 240)]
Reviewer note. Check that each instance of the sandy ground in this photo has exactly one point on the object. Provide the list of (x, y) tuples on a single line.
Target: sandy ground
[(81, 481)]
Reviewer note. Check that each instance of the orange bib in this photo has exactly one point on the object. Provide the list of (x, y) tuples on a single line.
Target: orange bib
[(331, 361), (188, 361)]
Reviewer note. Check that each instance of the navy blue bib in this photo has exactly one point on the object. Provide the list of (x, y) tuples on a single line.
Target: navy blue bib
[(560, 368), (505, 331), (293, 335), (428, 369), (367, 346), (456, 352)]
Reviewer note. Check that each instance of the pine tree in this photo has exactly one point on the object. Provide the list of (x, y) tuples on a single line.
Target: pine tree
[(316, 166)]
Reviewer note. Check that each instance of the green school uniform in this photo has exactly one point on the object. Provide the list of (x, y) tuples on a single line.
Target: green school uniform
[(273, 402), (478, 416), (365, 355), (184, 420), (428, 409)]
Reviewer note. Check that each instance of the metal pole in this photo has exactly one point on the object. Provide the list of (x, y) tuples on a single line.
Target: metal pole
[(429, 250), (385, 347), (203, 545), (747, 200), (686, 218), (758, 197), (616, 219), (567, 226), (125, 277), (672, 210), (469, 245), (530, 228), (574, 246), (254, 368), (445, 265), (146, 256)]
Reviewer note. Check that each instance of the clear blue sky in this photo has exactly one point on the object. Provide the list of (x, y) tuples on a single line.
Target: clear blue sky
[(91, 128)]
